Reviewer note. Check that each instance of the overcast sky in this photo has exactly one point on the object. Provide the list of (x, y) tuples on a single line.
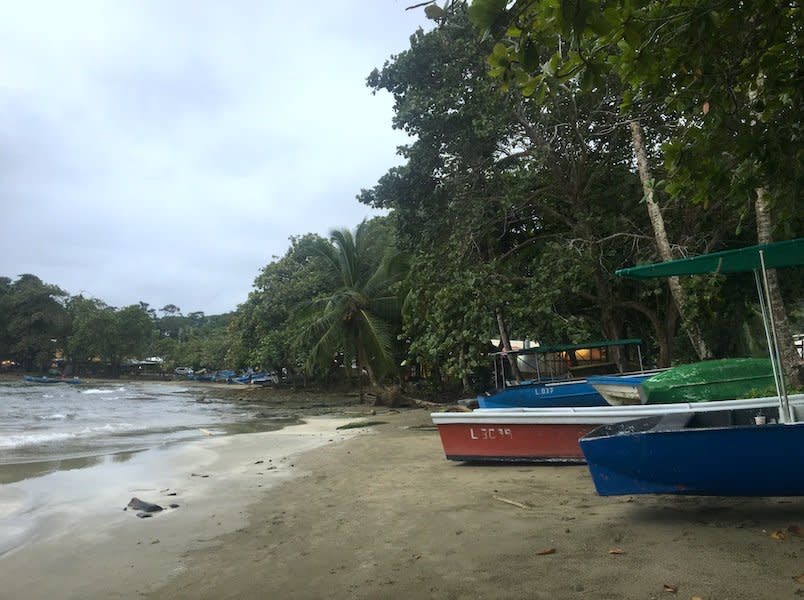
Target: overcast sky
[(164, 151)]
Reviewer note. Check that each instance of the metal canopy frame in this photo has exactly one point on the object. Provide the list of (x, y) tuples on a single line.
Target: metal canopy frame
[(556, 349)]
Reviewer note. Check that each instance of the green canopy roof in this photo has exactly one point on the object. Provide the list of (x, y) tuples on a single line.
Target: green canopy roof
[(568, 347), (789, 253)]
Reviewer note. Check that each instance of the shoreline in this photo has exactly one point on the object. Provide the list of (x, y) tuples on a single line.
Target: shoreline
[(71, 526)]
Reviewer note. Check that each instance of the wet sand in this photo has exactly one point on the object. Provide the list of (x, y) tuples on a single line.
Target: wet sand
[(66, 535), (382, 514)]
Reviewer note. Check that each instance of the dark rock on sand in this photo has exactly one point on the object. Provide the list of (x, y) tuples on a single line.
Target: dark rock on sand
[(145, 507)]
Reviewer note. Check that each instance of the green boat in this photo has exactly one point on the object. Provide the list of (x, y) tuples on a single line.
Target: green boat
[(725, 379)]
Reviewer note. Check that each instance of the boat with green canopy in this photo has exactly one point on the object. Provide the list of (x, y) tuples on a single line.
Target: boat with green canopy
[(734, 452)]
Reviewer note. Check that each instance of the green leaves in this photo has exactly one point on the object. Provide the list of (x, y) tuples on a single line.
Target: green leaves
[(486, 13), (359, 315)]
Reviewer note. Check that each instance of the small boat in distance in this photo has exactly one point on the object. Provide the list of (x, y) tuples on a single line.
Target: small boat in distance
[(46, 379)]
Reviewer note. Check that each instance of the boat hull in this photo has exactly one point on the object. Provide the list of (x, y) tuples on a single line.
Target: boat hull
[(48, 380), (544, 395), (665, 456), (708, 380), (618, 391), (552, 434), (532, 442)]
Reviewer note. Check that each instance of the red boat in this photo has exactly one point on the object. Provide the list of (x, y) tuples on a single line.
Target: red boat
[(551, 434)]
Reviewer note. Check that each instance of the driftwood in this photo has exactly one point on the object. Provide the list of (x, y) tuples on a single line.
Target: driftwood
[(512, 502), (424, 403)]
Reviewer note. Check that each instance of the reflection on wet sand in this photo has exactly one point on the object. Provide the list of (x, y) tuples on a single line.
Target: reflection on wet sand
[(12, 473)]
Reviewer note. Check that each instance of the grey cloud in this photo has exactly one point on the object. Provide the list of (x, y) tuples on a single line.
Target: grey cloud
[(165, 151)]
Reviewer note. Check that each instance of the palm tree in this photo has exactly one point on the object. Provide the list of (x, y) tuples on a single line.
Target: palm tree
[(360, 316)]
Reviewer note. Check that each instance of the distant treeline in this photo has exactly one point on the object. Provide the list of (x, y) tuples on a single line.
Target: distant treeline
[(43, 327)]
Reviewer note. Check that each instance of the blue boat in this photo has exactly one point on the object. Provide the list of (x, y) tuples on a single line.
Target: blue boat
[(555, 385), (46, 379), (738, 452), (223, 376), (261, 378), (717, 453)]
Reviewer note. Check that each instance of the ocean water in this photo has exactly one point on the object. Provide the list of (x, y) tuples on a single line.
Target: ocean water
[(72, 456), (47, 423)]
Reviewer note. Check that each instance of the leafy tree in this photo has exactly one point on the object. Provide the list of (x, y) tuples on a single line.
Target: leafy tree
[(357, 317), (136, 331), (36, 321), (85, 339), (100, 332), (529, 199), (5, 317), (263, 333)]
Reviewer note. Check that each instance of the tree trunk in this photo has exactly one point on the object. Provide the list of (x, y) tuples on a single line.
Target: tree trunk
[(663, 335), (791, 362), (361, 391), (506, 342), (662, 244), (610, 324), (467, 385)]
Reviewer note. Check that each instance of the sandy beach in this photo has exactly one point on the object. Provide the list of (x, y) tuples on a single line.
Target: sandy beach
[(379, 513)]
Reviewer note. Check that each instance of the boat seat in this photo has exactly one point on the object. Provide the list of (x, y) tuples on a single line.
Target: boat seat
[(674, 421)]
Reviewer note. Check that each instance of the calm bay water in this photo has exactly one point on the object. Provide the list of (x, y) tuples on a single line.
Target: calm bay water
[(57, 422)]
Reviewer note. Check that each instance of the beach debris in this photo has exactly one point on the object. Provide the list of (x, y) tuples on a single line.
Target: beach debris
[(259, 462), (546, 551), (174, 505), (778, 535), (146, 507), (796, 530), (512, 502), (357, 424), (799, 578), (616, 551), (669, 588), (746, 524), (198, 475)]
